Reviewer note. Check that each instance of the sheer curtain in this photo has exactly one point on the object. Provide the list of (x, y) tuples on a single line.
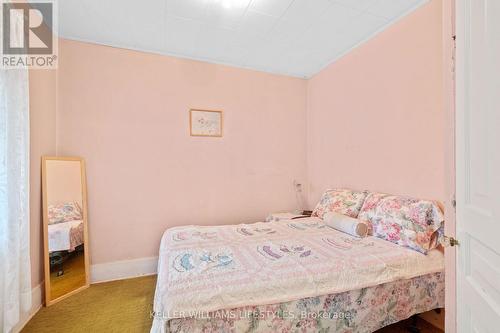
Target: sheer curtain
[(15, 275)]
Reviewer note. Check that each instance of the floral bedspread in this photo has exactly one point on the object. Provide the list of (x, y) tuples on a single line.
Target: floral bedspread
[(65, 236), (363, 310), (205, 269)]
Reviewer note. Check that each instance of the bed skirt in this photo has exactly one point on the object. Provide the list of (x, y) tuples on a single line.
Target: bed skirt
[(363, 310)]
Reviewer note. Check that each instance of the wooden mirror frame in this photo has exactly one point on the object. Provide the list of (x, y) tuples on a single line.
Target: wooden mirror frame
[(48, 300)]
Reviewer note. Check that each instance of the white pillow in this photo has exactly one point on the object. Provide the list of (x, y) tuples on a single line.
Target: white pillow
[(346, 224)]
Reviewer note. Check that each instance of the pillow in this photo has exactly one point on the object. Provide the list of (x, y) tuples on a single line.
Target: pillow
[(65, 212), (346, 224), (367, 211), (345, 202), (406, 221)]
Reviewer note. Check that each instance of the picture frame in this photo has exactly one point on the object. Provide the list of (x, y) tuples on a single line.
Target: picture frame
[(205, 123)]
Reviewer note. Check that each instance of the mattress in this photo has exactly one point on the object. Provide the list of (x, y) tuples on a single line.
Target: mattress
[(206, 269), (65, 236)]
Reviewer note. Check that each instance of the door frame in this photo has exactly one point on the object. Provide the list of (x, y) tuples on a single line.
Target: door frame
[(449, 106)]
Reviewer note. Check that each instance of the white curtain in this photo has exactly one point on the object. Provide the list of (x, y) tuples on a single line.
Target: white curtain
[(15, 275)]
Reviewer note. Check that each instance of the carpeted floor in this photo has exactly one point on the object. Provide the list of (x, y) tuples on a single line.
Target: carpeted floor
[(118, 306), (123, 306)]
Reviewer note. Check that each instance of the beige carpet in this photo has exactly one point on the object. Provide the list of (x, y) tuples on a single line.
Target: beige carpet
[(123, 306), (118, 306)]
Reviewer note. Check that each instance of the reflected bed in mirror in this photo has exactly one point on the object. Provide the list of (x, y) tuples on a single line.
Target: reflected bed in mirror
[(65, 227)]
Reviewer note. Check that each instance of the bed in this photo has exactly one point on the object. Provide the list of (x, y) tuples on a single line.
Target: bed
[(65, 227), (289, 276), (65, 236)]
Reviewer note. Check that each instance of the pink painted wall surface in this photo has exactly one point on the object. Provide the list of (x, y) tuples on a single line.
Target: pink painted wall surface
[(382, 118), (126, 113), (42, 85), (375, 117)]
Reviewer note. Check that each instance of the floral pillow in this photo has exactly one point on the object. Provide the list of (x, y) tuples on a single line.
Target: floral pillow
[(65, 212), (342, 201), (367, 212), (409, 222)]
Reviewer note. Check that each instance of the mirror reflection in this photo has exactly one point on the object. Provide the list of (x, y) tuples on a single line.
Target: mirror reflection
[(66, 257)]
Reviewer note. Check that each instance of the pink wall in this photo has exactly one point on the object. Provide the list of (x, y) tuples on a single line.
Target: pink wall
[(375, 117), (382, 118), (126, 113), (42, 87)]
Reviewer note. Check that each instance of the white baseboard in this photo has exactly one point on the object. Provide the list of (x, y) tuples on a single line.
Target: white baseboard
[(124, 269), (36, 304)]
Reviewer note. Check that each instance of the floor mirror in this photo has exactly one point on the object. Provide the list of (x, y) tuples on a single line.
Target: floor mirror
[(66, 251)]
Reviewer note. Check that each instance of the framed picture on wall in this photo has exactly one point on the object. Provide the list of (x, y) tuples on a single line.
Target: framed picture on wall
[(205, 122)]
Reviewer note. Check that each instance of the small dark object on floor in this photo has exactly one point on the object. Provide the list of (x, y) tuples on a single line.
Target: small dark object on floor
[(413, 328), (403, 326)]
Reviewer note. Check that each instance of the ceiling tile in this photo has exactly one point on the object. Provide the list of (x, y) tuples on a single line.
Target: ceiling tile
[(333, 20), (235, 55), (290, 37), (192, 9), (392, 9), (286, 31), (226, 13), (73, 22), (357, 31), (356, 4), (256, 23), (246, 40), (364, 25), (274, 8), (212, 42), (181, 35), (305, 10), (127, 24), (292, 63)]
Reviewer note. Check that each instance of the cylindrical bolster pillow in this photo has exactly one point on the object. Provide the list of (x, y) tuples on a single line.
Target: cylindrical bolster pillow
[(346, 224)]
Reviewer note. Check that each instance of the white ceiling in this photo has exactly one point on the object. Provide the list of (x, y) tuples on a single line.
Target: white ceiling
[(290, 37)]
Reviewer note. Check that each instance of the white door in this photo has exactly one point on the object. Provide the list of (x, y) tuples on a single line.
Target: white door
[(478, 165)]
